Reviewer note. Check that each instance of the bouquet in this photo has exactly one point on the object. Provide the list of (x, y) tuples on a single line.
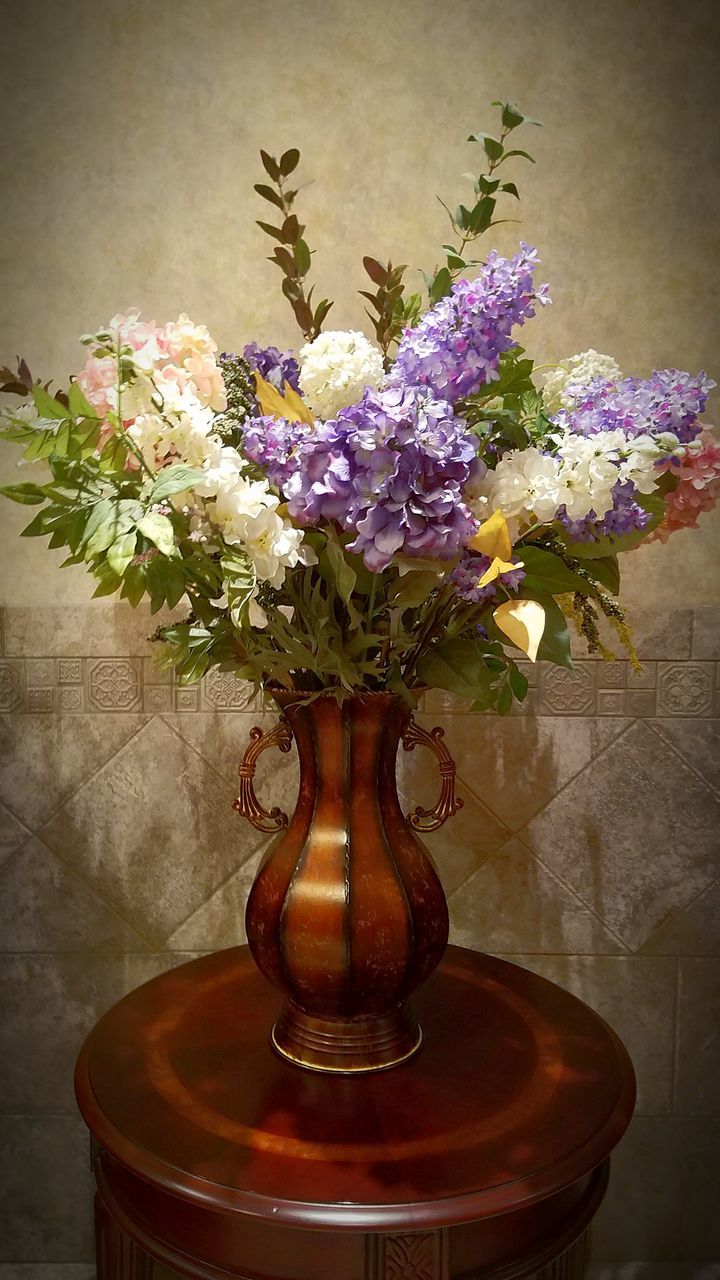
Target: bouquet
[(387, 513)]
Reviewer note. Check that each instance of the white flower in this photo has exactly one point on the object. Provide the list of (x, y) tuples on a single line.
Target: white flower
[(524, 481), (563, 383), (336, 368), (222, 468)]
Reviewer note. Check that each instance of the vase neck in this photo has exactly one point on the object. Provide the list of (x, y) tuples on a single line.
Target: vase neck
[(347, 745)]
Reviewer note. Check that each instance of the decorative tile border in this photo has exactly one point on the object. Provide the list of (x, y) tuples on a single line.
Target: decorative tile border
[(680, 689), (94, 658)]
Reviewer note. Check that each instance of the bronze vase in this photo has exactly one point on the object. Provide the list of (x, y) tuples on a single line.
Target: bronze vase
[(347, 915)]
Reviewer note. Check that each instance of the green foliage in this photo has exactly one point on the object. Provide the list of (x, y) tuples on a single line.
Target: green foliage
[(392, 312), (470, 221), (291, 252)]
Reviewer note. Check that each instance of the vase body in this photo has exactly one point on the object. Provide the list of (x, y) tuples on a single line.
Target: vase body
[(347, 915)]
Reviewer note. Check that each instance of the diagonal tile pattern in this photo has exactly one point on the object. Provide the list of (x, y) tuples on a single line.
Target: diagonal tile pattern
[(154, 831), (512, 903), (45, 906), (44, 759), (634, 848)]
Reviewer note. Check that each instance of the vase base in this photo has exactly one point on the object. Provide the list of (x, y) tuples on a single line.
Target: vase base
[(346, 1046)]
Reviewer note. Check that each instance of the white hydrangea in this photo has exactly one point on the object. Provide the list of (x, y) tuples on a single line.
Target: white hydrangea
[(563, 383), (530, 485), (336, 368), (247, 515)]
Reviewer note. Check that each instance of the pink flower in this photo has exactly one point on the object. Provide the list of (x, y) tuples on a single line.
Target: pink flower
[(698, 489)]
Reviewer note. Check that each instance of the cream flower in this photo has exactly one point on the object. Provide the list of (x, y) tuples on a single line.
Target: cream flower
[(336, 368), (563, 383)]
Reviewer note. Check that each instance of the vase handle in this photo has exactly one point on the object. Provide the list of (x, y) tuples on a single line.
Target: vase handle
[(247, 803), (448, 803)]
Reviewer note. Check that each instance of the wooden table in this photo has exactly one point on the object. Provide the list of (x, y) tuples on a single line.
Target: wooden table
[(485, 1156)]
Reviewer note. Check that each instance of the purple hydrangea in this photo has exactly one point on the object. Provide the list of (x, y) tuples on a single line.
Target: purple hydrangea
[(669, 401), (469, 570), (276, 367), (390, 469), (457, 345), (625, 516)]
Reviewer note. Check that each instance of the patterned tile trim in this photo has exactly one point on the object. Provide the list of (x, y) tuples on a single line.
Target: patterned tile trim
[(685, 689)]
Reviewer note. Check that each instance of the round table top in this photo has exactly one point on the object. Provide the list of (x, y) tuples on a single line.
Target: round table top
[(518, 1091)]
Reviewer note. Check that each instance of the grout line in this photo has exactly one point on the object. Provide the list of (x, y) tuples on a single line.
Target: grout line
[(626, 948), (677, 752), (676, 1039), (593, 760), (672, 920)]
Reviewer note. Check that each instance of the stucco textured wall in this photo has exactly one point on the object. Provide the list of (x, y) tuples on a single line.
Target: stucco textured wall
[(588, 845)]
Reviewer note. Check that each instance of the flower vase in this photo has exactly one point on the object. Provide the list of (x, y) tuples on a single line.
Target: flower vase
[(347, 915)]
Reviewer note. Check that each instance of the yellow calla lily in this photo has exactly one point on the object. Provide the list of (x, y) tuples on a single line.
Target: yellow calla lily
[(523, 622), (494, 570), (493, 538), (275, 405)]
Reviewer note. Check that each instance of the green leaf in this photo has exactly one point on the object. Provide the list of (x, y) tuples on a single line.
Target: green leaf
[(458, 666), (175, 479), (481, 215), (301, 254), (122, 551), (289, 161), (518, 683), (607, 571), (342, 575), (511, 189), (28, 494), (46, 406), (239, 580), (79, 406), (555, 644), (269, 194), (493, 146), (525, 154), (441, 285), (504, 700), (412, 589), (133, 588), (547, 572), (275, 232), (108, 583), (270, 165), (158, 530)]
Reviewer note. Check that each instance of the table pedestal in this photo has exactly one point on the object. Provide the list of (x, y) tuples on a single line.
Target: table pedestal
[(486, 1155)]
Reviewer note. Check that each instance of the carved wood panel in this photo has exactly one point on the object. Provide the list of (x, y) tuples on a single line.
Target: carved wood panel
[(118, 1257), (422, 1255)]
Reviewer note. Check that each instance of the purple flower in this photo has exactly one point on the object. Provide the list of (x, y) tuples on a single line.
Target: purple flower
[(470, 569), (391, 470), (276, 367), (625, 516), (669, 401), (457, 345)]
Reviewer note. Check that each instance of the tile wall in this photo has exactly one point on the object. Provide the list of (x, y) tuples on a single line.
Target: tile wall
[(587, 849)]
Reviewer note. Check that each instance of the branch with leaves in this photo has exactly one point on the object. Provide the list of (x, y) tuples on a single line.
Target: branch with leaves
[(391, 312), (469, 223), (291, 253)]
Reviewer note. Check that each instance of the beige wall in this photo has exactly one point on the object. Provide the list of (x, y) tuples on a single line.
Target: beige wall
[(132, 150), (588, 843)]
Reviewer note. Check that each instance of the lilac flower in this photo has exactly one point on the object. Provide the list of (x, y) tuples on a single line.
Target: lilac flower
[(669, 402), (390, 469), (470, 569), (457, 345), (276, 367), (625, 516)]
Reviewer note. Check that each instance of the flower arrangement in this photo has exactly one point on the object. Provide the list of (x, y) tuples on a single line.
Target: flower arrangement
[(413, 509)]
